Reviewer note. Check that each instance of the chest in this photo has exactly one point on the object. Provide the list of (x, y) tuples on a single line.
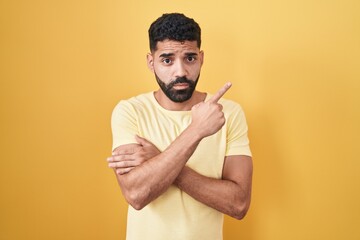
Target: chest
[(162, 129)]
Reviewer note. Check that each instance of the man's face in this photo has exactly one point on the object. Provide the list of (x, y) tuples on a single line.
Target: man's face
[(176, 66)]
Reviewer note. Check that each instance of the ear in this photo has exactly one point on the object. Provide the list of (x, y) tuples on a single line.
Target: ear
[(150, 61), (201, 54)]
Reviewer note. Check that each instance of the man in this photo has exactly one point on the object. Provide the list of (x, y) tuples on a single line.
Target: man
[(181, 156)]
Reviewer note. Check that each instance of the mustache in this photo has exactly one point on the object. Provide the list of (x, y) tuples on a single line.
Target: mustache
[(180, 80)]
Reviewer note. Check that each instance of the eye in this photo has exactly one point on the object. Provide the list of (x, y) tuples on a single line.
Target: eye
[(190, 58), (166, 60)]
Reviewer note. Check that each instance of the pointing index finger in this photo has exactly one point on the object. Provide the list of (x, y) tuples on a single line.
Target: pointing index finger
[(216, 97)]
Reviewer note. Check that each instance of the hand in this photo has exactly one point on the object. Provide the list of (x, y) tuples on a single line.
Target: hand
[(207, 117), (126, 158)]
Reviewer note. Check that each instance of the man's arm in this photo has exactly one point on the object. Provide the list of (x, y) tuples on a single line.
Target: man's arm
[(147, 181), (150, 179), (230, 195)]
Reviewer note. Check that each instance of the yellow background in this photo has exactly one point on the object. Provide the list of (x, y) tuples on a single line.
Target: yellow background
[(295, 68)]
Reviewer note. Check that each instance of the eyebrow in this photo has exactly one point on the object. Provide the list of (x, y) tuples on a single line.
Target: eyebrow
[(166, 54), (188, 54)]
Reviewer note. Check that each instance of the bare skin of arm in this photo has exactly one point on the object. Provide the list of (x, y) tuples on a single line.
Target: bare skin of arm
[(147, 181), (230, 195), (153, 177)]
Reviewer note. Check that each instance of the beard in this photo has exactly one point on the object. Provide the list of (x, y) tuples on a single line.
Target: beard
[(178, 95)]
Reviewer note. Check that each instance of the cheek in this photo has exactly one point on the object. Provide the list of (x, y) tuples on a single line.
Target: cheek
[(163, 73), (195, 71)]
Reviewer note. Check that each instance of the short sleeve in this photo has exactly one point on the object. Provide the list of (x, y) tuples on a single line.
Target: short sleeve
[(237, 142), (123, 124)]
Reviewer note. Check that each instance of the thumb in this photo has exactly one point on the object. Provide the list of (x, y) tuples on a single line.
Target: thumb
[(142, 141), (197, 105)]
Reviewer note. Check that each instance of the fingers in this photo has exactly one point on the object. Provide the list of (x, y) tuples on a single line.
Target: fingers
[(216, 97), (125, 151), (142, 141), (120, 157), (197, 105), (125, 159), (122, 171), (123, 164), (118, 160)]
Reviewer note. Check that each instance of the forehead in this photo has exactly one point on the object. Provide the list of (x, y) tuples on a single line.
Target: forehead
[(176, 47)]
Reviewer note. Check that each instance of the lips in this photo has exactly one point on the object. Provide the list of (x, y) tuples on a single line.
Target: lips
[(180, 86)]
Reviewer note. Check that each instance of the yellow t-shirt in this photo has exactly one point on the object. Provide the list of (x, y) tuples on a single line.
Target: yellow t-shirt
[(175, 215)]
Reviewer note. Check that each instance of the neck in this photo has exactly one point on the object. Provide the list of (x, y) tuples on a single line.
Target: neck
[(166, 103)]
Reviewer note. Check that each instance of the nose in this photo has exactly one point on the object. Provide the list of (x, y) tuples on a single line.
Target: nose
[(180, 69)]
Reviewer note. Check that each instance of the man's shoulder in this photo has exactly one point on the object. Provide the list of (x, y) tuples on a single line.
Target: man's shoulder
[(136, 101), (141, 98), (134, 104)]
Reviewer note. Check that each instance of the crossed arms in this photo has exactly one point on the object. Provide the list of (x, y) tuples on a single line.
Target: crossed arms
[(144, 173)]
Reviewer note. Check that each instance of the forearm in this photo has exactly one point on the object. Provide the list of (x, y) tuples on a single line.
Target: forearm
[(150, 179), (225, 196), (147, 181)]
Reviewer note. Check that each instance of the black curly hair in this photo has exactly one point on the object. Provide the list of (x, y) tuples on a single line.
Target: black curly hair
[(174, 26)]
